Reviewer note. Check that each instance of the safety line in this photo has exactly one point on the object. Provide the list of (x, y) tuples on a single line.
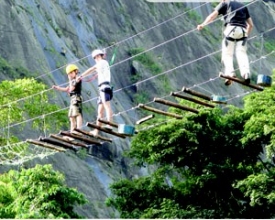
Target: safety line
[(90, 55), (168, 71), (126, 86), (133, 36), (237, 96), (149, 78), (152, 48), (134, 107)]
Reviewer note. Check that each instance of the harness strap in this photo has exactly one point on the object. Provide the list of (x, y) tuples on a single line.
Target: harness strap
[(233, 29), (244, 39)]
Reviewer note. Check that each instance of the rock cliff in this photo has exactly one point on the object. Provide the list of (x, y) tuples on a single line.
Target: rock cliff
[(44, 36)]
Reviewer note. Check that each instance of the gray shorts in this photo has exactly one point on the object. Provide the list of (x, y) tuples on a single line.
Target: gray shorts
[(75, 106)]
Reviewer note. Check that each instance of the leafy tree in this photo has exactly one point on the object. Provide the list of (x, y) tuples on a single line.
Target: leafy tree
[(208, 165), (25, 98), (259, 186), (39, 192)]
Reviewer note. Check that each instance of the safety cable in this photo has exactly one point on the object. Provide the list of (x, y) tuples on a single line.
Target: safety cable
[(133, 36), (165, 121), (237, 96), (210, 80), (122, 88), (122, 41), (149, 78), (154, 47)]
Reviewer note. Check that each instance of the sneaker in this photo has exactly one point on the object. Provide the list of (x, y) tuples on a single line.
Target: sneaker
[(227, 82), (68, 138), (109, 127), (94, 133), (75, 132), (247, 81)]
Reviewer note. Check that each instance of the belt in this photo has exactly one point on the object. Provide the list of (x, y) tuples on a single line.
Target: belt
[(235, 25), (104, 83), (75, 94)]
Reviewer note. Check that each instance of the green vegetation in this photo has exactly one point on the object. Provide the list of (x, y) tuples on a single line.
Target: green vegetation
[(214, 164), (39, 192), (269, 45), (165, 84), (179, 5), (17, 108), (13, 72), (193, 15), (214, 4), (141, 97), (24, 103), (146, 59)]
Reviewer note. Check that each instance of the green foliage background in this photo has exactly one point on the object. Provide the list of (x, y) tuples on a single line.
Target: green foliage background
[(39, 192), (215, 164)]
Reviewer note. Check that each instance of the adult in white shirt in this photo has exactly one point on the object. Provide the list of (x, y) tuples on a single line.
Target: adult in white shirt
[(102, 69)]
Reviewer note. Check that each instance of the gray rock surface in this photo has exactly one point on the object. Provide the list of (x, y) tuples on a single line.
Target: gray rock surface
[(44, 36)]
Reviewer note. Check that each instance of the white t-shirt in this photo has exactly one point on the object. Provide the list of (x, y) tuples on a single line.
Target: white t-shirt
[(103, 71)]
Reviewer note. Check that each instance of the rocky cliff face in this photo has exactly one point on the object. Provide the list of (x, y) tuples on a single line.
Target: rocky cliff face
[(44, 36)]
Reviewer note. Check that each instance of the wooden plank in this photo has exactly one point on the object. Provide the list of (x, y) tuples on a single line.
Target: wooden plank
[(56, 142), (108, 122), (113, 125), (159, 111), (192, 99), (79, 137), (219, 102), (105, 130), (242, 82), (73, 142), (46, 145), (91, 135), (166, 102), (192, 92), (140, 121)]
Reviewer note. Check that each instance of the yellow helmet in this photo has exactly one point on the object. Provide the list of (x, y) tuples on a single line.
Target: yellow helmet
[(70, 68)]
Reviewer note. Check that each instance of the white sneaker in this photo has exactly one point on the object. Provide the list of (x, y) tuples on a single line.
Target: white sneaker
[(94, 133), (246, 76), (109, 127), (75, 132)]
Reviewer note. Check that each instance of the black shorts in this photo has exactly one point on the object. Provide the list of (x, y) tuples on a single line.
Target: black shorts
[(105, 94)]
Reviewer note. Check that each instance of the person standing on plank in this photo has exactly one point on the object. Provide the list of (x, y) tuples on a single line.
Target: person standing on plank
[(74, 89), (238, 25), (102, 69)]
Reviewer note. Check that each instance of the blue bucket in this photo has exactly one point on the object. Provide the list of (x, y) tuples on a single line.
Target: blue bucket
[(264, 80), (217, 98), (126, 129)]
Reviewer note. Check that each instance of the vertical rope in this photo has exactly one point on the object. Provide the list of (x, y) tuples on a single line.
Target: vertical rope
[(44, 125), (9, 118), (261, 50), (43, 115)]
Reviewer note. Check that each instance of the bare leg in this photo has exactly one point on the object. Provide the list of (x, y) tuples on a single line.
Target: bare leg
[(73, 123), (79, 121), (100, 114), (108, 109)]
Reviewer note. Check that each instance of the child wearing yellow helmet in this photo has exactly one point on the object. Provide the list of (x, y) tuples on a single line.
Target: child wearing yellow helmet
[(74, 90)]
